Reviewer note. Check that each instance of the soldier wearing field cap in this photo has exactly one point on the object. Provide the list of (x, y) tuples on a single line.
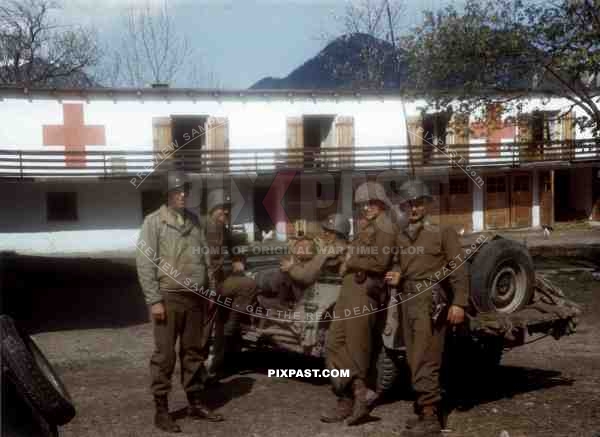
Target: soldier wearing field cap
[(350, 340), (429, 306), (168, 242)]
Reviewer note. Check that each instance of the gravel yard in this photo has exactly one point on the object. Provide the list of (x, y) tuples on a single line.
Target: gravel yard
[(547, 388)]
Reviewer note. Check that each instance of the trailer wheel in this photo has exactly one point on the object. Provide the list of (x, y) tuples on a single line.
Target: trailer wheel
[(502, 277), (33, 376)]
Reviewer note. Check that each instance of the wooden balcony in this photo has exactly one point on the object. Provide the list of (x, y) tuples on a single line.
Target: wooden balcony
[(21, 164)]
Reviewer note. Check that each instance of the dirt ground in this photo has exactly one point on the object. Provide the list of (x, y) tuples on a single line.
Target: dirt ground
[(547, 388)]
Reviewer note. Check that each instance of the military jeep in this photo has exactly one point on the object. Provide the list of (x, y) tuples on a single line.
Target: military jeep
[(508, 301)]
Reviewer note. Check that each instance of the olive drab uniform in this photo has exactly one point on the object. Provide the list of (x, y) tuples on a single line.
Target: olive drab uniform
[(428, 255), (350, 339), (219, 244), (169, 242)]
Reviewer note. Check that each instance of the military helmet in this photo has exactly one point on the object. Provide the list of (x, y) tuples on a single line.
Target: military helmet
[(370, 191), (414, 189), (176, 182), (337, 223), (217, 198)]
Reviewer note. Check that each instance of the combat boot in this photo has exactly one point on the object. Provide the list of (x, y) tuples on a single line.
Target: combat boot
[(162, 419), (197, 409), (427, 425), (341, 412), (364, 401)]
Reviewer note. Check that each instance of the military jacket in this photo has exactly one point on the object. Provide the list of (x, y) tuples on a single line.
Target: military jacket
[(432, 254), (372, 249), (170, 254), (219, 243)]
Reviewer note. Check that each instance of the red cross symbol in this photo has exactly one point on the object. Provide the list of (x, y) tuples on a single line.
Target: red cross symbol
[(73, 134)]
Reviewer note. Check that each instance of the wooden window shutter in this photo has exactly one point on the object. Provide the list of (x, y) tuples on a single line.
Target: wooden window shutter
[(568, 127), (217, 143), (162, 138), (295, 141), (414, 125), (459, 136), (524, 125), (345, 140)]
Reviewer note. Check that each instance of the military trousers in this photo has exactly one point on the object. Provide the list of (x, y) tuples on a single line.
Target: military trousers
[(242, 291), (424, 342), (351, 339), (186, 321)]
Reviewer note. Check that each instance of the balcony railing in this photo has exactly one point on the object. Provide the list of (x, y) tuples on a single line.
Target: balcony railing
[(122, 163)]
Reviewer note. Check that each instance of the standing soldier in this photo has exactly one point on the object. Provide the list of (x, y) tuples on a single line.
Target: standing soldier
[(438, 255), (173, 236), (218, 206), (350, 340)]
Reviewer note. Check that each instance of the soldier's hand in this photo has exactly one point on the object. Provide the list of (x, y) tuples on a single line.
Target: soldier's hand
[(456, 315), (393, 278), (158, 312), (286, 264)]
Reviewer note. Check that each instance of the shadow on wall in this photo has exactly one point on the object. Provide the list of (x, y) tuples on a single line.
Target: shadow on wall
[(50, 294)]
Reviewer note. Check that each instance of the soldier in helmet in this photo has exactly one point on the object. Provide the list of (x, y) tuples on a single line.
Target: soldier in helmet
[(426, 313), (326, 252), (171, 235), (218, 205), (350, 340)]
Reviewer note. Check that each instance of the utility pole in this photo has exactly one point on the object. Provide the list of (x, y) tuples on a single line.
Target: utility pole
[(393, 41)]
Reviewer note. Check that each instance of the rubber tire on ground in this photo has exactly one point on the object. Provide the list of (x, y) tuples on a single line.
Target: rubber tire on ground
[(488, 262), (388, 370), (33, 375)]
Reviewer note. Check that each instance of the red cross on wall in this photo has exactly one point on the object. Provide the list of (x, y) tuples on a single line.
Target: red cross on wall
[(73, 134)]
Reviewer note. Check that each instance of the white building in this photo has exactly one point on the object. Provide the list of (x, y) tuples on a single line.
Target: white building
[(78, 168)]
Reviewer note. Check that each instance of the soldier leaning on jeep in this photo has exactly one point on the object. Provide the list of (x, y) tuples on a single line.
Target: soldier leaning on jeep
[(350, 341)]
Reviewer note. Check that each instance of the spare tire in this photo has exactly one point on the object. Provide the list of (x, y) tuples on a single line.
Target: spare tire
[(33, 376), (502, 277)]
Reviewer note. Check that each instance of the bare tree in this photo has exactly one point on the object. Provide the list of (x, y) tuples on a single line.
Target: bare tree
[(371, 17), (152, 49), (36, 51), (369, 28)]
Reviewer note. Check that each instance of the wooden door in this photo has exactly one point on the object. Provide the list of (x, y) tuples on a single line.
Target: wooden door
[(520, 201), (546, 198), (457, 204), (496, 203)]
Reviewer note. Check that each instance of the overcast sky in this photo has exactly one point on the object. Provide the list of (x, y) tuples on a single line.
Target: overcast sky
[(240, 41)]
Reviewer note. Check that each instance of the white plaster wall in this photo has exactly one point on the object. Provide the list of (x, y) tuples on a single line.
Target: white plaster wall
[(109, 217), (477, 214), (252, 124), (535, 209)]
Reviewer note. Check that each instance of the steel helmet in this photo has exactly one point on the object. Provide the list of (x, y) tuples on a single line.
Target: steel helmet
[(414, 189), (368, 191), (337, 223), (217, 198), (176, 182)]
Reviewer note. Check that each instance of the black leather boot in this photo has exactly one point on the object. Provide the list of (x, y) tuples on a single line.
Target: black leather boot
[(162, 419), (197, 409)]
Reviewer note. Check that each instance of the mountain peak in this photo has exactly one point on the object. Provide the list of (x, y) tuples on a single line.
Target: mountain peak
[(352, 60)]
